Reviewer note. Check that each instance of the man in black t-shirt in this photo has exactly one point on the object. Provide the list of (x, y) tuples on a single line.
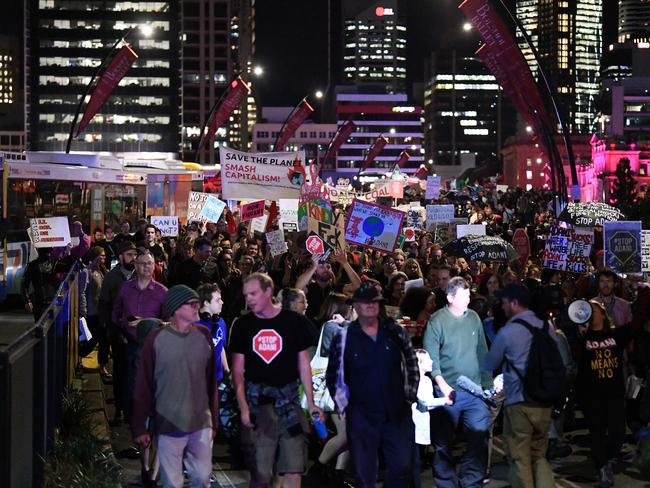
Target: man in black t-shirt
[(269, 361)]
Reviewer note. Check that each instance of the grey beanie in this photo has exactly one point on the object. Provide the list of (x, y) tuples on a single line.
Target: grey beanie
[(176, 296)]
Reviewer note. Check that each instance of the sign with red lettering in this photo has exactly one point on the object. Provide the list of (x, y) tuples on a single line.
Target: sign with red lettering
[(521, 243), (50, 231), (314, 245), (251, 210), (267, 344)]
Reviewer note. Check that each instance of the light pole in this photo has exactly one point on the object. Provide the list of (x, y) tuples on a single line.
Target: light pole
[(146, 31)]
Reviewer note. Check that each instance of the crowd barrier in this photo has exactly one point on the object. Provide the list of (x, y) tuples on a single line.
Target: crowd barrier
[(36, 367)]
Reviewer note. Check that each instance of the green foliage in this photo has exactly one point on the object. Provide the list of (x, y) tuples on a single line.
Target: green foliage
[(624, 192), (77, 458)]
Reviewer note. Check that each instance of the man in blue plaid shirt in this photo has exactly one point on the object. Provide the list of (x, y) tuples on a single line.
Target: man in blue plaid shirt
[(382, 375)]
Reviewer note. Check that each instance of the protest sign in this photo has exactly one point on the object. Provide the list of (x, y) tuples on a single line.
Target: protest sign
[(409, 234), (251, 210), (418, 282), (269, 176), (433, 188), (645, 251), (374, 226), (277, 244), (289, 214), (521, 243), (557, 246), (439, 214), (414, 218), (333, 233), (50, 231), (502, 188), (580, 241), (167, 225), (212, 209), (258, 224), (463, 230), (622, 245), (195, 203)]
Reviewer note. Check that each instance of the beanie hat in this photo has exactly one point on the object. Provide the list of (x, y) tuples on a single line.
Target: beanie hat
[(176, 296)]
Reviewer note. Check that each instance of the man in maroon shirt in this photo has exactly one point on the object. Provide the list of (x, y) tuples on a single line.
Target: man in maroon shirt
[(141, 298)]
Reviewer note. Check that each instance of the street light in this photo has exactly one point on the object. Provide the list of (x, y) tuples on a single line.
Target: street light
[(467, 26), (318, 94), (258, 71)]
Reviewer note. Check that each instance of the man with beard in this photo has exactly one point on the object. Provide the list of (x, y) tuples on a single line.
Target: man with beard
[(323, 282), (113, 281), (617, 308)]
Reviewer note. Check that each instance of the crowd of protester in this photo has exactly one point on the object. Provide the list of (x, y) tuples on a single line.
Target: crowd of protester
[(460, 320)]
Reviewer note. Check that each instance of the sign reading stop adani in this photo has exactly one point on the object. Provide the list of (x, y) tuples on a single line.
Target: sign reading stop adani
[(255, 176), (374, 226), (622, 245)]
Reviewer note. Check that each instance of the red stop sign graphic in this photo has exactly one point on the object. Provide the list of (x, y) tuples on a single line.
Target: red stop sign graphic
[(521, 243), (267, 344), (315, 245)]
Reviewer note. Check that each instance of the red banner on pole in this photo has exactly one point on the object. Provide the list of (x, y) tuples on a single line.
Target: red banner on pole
[(403, 158), (504, 56), (237, 92), (299, 115), (109, 80), (339, 139), (374, 152)]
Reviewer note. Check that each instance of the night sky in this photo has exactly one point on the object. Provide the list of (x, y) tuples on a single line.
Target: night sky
[(292, 40)]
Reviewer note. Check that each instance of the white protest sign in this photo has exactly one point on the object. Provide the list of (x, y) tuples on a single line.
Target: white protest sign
[(289, 214), (470, 229), (276, 242), (502, 188), (418, 282), (195, 202), (433, 188), (439, 214), (261, 176), (414, 218), (212, 209), (258, 224), (167, 225), (50, 231), (645, 251)]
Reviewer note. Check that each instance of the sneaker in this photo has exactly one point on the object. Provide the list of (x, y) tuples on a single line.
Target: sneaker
[(606, 476)]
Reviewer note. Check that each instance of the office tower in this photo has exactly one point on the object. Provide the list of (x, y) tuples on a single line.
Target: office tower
[(568, 38), (9, 59), (65, 43), (463, 111), (375, 114), (207, 70), (374, 49), (634, 21)]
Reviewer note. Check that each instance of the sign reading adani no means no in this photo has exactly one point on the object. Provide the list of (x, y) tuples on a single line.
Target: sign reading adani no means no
[(261, 176)]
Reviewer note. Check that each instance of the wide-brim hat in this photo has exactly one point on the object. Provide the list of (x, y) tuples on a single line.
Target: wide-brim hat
[(367, 292)]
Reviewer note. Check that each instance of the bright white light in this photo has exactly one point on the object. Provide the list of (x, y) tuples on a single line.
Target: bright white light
[(258, 71), (467, 26), (319, 94), (392, 130), (430, 161), (146, 30), (529, 129)]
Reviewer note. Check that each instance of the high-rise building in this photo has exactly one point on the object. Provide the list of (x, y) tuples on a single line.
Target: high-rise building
[(11, 94), (374, 49), (66, 42), (634, 21), (207, 70), (463, 111), (374, 115), (568, 38)]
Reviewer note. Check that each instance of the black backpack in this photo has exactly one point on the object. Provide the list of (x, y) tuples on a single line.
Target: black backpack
[(545, 377)]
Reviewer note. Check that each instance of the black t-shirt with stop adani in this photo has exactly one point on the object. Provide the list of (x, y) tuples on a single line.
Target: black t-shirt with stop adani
[(270, 346)]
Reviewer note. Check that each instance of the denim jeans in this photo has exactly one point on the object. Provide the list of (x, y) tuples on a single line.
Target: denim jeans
[(476, 419)]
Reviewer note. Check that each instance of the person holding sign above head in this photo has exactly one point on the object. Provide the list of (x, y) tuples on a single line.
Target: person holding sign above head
[(600, 385)]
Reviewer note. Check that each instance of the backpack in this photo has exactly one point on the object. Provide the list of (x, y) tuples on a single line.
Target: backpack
[(545, 377)]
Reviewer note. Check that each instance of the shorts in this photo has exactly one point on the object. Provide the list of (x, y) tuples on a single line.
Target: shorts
[(268, 449)]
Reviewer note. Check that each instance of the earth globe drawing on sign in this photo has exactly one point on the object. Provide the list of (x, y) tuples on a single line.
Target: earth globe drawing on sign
[(373, 226)]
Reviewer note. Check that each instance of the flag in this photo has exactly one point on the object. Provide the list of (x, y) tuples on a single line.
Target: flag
[(374, 151), (402, 159), (298, 117), (339, 139), (237, 92), (109, 80)]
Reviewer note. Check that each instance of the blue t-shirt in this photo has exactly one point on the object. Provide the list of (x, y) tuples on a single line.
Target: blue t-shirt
[(218, 333)]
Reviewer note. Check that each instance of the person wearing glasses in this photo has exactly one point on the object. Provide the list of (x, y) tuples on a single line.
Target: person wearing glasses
[(176, 389), (137, 299)]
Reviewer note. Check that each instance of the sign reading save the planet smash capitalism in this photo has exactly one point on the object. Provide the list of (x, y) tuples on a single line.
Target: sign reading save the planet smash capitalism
[(374, 226)]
